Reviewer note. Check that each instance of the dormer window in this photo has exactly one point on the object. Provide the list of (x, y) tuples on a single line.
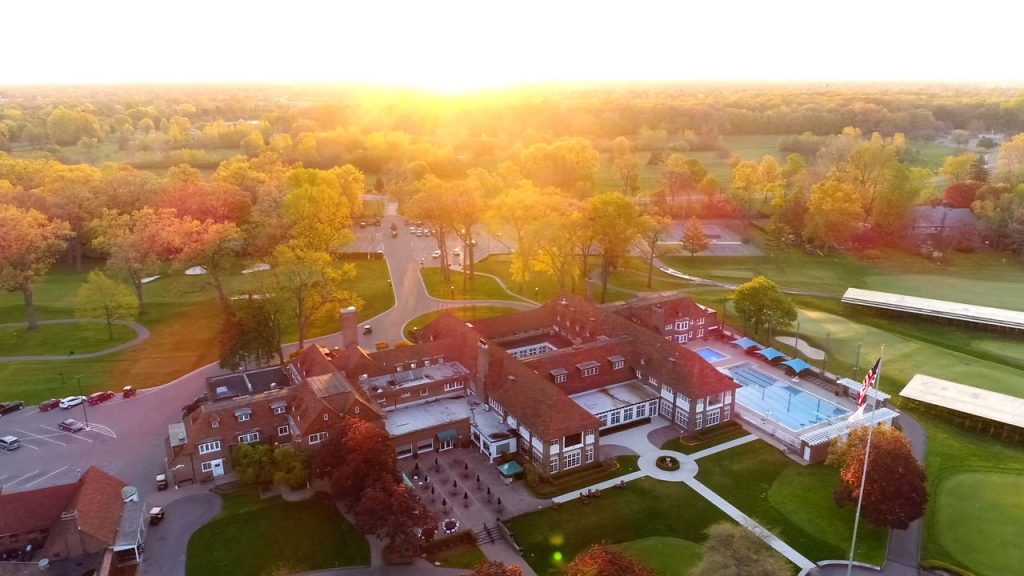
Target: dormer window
[(243, 414), (559, 375), (279, 407), (214, 423), (590, 368), (617, 362)]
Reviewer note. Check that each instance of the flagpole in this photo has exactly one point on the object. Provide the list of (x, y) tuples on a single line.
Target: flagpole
[(864, 471)]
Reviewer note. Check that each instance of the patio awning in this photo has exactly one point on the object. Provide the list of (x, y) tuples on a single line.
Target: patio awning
[(771, 353), (745, 343), (510, 469), (797, 365), (449, 434)]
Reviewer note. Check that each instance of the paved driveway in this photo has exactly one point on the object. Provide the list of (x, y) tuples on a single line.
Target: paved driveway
[(167, 544)]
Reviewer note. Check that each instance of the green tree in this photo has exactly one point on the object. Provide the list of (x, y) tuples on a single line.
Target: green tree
[(309, 282), (694, 239), (834, 214), (683, 174), (626, 164), (652, 230), (516, 213), (569, 164), (895, 492), (29, 245), (103, 297), (291, 468), (254, 463), (777, 236), (214, 246), (66, 126), (744, 183), (979, 170), (613, 222), (732, 550), (761, 304)]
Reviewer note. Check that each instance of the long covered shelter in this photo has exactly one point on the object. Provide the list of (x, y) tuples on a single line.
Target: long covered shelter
[(797, 365), (746, 343), (957, 311), (984, 404), (771, 354)]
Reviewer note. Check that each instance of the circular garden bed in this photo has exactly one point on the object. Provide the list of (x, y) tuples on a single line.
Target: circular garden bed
[(669, 463)]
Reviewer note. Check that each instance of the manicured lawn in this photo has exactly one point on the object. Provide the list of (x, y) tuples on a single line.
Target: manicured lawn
[(717, 435), (543, 287), (61, 339), (644, 508), (667, 556), (182, 316), (793, 501), (479, 288), (462, 557), (252, 537), (976, 507), (980, 531), (463, 312), (626, 465)]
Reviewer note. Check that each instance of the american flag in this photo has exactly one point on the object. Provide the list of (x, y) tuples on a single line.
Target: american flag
[(870, 381)]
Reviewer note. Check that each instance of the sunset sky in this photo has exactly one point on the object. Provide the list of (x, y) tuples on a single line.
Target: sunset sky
[(454, 45)]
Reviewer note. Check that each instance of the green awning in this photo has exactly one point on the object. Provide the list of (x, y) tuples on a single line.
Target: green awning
[(449, 434), (509, 469)]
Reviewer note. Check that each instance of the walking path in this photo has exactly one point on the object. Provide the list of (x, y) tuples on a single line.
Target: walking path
[(141, 333)]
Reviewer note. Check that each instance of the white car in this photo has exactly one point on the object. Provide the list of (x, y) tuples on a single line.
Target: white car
[(436, 254), (457, 252), (71, 401)]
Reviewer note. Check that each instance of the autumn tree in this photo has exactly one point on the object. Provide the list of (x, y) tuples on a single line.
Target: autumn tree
[(69, 192), (834, 214), (569, 164), (603, 560), (66, 126), (776, 236), (355, 457), (124, 189), (433, 203), (517, 213), (732, 550), (214, 246), (251, 333), (137, 242), (564, 240), (308, 282), (103, 297), (613, 221), (895, 491), (960, 194), (29, 245), (694, 239), (683, 174), (652, 230), (394, 512), (761, 304), (958, 168), (189, 195), (495, 568), (319, 205), (1010, 162), (744, 183), (626, 164)]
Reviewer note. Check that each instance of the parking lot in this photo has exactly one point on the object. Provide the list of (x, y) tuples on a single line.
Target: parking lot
[(421, 248)]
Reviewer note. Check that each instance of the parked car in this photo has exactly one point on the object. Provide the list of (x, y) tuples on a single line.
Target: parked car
[(8, 443), (71, 425), (71, 401), (367, 329), (362, 223), (48, 405), (376, 222), (457, 252), (436, 254), (12, 406), (100, 397)]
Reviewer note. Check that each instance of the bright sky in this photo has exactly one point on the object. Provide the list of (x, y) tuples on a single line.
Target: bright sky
[(460, 45)]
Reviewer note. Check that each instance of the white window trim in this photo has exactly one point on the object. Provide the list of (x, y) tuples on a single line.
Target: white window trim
[(573, 459), (286, 429), (560, 378), (208, 466), (249, 438), (592, 371), (280, 409), (207, 447), (244, 417), (453, 385), (317, 438)]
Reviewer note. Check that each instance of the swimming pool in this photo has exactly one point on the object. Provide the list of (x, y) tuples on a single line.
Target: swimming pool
[(784, 403), (710, 354)]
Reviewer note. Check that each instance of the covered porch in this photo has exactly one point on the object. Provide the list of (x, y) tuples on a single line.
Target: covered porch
[(490, 434)]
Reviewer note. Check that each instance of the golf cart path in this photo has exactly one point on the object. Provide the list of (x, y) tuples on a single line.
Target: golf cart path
[(141, 333)]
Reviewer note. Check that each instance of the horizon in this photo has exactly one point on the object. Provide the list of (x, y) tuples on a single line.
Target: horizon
[(458, 47)]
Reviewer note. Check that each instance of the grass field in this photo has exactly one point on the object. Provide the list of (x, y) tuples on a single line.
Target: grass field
[(182, 316), (552, 537), (308, 535), (463, 312), (479, 288), (667, 556), (61, 339), (717, 435), (544, 287), (793, 501), (462, 557)]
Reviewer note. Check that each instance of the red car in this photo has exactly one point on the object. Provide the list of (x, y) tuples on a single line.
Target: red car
[(100, 397), (49, 405)]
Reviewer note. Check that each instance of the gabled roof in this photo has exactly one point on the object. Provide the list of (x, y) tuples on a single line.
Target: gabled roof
[(99, 504), (594, 354), (538, 403), (34, 510), (669, 309), (498, 327)]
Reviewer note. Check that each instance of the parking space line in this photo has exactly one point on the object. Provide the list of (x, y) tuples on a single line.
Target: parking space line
[(101, 429), (42, 437), (41, 478), (33, 473), (62, 433)]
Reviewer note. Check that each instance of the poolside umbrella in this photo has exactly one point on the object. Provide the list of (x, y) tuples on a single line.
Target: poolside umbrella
[(416, 468), (477, 479), (465, 498), (488, 493), (455, 483), (426, 477), (437, 465), (444, 503)]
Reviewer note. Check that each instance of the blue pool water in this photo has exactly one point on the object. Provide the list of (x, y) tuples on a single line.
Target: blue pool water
[(778, 400), (710, 354)]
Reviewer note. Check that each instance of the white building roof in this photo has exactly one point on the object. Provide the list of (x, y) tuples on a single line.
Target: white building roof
[(422, 416), (856, 386), (615, 396), (967, 399), (940, 308), (841, 426)]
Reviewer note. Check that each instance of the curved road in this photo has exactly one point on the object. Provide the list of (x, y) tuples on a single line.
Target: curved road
[(141, 333)]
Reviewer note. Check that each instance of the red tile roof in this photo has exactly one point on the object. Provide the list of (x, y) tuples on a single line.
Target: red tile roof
[(539, 404), (569, 359), (34, 510)]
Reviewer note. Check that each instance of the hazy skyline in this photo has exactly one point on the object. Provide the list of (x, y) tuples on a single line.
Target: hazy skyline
[(453, 46)]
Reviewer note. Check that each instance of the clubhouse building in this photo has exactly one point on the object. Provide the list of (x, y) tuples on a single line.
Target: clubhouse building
[(539, 387)]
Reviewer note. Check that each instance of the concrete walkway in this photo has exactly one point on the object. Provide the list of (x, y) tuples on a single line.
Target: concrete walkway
[(724, 446), (141, 333)]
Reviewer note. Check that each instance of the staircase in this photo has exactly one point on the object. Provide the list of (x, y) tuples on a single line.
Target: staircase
[(487, 534)]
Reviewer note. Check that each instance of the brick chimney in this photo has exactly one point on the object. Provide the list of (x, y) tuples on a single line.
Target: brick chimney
[(658, 317), (349, 327)]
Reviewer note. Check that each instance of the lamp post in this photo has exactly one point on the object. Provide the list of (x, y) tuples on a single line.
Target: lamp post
[(85, 411), (452, 288)]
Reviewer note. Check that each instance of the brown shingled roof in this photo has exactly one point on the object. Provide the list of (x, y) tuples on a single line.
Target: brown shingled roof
[(539, 404), (99, 505), (34, 510)]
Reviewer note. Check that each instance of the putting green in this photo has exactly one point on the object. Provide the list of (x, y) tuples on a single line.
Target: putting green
[(667, 556), (979, 518)]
